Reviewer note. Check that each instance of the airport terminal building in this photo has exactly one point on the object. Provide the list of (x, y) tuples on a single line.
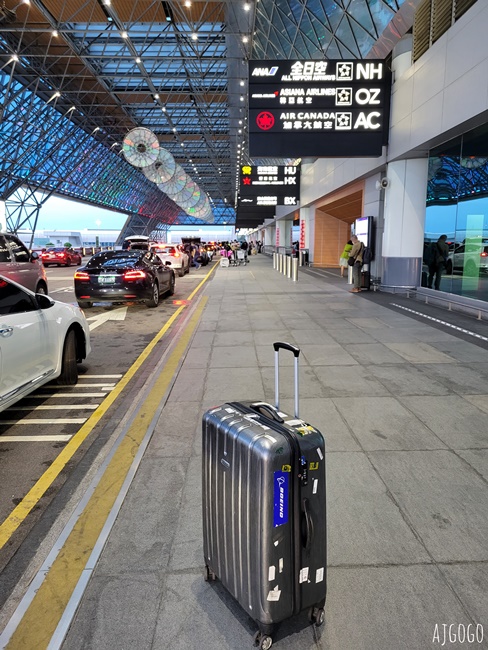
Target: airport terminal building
[(432, 178)]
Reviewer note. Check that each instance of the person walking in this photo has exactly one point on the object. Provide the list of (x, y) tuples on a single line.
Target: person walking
[(344, 257), (438, 261), (356, 253)]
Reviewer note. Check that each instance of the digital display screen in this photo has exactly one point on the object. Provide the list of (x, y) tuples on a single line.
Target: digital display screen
[(318, 108), (269, 185)]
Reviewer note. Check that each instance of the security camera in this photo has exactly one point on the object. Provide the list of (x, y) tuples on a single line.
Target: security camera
[(382, 184)]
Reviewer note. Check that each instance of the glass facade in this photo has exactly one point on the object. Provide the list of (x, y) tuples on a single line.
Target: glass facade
[(457, 206)]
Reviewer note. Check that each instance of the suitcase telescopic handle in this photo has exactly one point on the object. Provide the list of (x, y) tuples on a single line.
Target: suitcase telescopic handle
[(280, 345)]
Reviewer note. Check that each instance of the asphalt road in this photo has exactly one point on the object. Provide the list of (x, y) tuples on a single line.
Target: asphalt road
[(34, 431)]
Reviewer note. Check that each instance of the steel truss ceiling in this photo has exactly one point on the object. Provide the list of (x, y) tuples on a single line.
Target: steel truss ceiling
[(77, 75)]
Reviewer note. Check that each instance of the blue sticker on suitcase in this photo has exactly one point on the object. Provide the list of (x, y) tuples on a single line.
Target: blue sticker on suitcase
[(281, 491)]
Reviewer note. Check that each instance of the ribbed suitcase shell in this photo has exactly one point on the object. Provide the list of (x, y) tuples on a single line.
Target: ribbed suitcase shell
[(258, 546)]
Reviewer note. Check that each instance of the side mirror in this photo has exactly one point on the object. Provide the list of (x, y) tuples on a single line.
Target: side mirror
[(43, 301), (34, 256), (168, 263)]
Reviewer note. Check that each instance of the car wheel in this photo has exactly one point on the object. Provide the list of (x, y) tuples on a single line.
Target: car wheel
[(68, 262), (69, 368), (41, 288), (188, 268), (471, 270), (172, 283), (83, 304), (181, 272), (154, 300)]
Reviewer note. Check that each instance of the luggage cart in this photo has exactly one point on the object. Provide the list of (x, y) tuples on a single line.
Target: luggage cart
[(241, 257)]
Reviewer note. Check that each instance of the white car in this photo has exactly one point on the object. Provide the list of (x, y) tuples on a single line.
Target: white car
[(40, 340), (179, 259)]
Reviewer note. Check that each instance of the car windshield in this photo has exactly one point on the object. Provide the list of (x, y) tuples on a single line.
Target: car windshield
[(112, 261), (55, 250), (169, 250)]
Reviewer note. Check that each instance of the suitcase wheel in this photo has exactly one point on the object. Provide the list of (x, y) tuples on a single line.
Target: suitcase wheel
[(262, 641), (316, 615), (208, 574)]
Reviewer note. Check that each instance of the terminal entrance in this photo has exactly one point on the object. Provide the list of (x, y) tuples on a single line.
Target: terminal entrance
[(333, 222)]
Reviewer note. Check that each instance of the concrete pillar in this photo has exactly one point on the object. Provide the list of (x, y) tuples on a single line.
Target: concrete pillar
[(404, 214), (285, 229)]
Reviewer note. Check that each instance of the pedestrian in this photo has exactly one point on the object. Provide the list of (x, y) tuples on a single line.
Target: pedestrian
[(438, 261), (195, 255), (344, 257), (356, 253), (260, 244)]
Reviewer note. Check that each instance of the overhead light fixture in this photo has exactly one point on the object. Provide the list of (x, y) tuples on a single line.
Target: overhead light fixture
[(106, 3), (245, 39), (187, 3), (138, 59), (174, 129), (182, 144), (124, 35), (242, 98), (247, 6), (156, 96), (14, 57), (55, 32), (194, 36), (73, 108), (164, 109)]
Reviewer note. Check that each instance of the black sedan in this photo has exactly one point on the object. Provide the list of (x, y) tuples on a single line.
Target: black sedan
[(123, 276)]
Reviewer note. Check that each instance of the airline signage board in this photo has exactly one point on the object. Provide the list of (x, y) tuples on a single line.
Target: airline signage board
[(336, 108), (267, 185)]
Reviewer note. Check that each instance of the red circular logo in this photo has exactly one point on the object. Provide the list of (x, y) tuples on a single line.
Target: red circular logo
[(265, 120)]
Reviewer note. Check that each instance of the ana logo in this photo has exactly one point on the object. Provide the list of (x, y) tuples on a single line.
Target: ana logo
[(265, 72), (265, 120)]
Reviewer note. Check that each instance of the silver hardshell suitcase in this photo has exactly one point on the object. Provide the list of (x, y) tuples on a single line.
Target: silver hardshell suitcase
[(264, 509)]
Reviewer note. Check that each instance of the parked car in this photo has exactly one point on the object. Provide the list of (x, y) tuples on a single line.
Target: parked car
[(41, 340), (20, 265), (136, 242), (61, 256), (123, 276), (178, 258), (471, 258)]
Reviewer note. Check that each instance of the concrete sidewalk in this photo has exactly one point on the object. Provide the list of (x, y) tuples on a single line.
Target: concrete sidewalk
[(404, 411)]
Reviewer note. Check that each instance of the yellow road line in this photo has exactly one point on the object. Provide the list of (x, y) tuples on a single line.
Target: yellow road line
[(203, 281), (20, 512), (39, 622)]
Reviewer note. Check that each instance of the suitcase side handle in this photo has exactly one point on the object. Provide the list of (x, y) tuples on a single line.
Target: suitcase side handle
[(281, 345), (307, 530), (267, 410)]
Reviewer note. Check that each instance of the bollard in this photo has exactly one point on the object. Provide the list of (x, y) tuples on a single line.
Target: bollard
[(274, 260), (284, 265), (288, 266), (280, 263), (294, 269), (349, 275)]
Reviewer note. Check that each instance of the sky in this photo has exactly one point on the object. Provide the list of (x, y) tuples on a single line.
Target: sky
[(59, 213)]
